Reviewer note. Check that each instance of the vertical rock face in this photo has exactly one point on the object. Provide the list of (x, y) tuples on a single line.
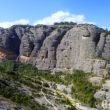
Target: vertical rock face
[(49, 47), (40, 34), (100, 46), (106, 50), (9, 43), (77, 47), (47, 54)]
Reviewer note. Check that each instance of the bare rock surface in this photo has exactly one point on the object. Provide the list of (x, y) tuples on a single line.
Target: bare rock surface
[(60, 47)]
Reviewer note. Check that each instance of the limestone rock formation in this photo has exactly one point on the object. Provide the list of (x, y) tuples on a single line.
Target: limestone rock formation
[(61, 47)]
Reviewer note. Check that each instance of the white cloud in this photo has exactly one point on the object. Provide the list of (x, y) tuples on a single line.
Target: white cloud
[(7, 24), (61, 16)]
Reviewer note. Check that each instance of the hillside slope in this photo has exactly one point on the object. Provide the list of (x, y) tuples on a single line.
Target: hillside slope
[(23, 87)]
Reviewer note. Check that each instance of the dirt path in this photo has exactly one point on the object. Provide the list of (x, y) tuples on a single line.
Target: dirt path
[(55, 108)]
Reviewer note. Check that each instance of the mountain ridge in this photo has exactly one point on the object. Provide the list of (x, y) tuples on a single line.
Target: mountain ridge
[(57, 46), (70, 64)]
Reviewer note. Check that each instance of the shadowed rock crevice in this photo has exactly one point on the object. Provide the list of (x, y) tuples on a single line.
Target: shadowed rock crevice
[(101, 44), (47, 54), (40, 35)]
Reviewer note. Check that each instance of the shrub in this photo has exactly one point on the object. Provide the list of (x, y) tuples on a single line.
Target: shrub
[(83, 90), (13, 67)]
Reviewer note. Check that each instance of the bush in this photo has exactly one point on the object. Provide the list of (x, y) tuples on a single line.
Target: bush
[(83, 89), (65, 23), (46, 74), (13, 67)]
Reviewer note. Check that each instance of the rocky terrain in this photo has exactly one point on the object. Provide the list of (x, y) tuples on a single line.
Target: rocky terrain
[(56, 51), (61, 47), (23, 87)]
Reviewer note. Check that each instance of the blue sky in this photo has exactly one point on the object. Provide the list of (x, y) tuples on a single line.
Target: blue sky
[(37, 11)]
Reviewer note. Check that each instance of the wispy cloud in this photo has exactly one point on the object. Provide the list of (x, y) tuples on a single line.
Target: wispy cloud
[(7, 24), (61, 16)]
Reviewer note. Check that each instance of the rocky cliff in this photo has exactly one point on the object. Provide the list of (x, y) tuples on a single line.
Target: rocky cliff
[(64, 47), (58, 47)]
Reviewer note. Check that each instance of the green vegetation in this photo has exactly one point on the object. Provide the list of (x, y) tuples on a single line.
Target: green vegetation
[(14, 67), (65, 23), (28, 75), (16, 96), (107, 32), (83, 90), (16, 71), (72, 108), (100, 58), (45, 74)]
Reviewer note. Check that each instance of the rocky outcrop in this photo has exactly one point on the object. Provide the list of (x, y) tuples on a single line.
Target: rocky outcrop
[(77, 46), (61, 47), (103, 96), (47, 55)]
